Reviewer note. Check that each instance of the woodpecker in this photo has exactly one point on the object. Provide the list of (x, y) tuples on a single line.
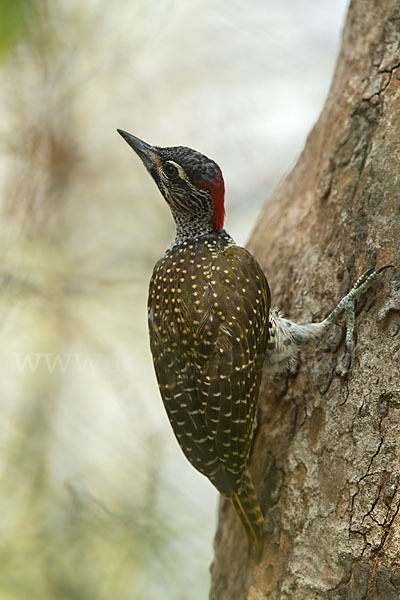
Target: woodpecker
[(212, 328)]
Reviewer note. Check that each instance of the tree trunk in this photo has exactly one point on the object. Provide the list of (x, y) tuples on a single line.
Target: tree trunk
[(326, 455)]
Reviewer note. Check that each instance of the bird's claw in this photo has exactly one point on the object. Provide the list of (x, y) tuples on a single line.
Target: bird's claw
[(368, 277), (347, 305)]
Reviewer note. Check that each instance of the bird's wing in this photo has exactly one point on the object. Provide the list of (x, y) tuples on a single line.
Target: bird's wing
[(230, 357), (178, 388), (208, 342)]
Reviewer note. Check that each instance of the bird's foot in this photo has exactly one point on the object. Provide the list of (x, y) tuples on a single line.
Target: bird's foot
[(286, 336), (347, 305)]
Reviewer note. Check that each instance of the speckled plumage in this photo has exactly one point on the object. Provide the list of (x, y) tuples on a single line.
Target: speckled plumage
[(208, 312), (208, 307)]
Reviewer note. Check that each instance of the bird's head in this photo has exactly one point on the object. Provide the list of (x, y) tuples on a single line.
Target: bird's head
[(191, 183)]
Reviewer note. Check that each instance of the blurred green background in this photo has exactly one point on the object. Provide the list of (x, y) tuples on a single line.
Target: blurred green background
[(97, 501)]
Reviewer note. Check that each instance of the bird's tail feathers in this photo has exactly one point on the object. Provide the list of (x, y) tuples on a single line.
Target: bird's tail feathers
[(247, 508)]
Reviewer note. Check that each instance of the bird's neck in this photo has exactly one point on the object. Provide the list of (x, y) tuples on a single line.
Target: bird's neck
[(195, 232), (191, 227)]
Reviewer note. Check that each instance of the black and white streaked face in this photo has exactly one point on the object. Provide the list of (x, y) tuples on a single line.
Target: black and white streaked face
[(191, 183)]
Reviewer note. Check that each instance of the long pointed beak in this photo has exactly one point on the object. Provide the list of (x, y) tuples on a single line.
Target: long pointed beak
[(146, 153)]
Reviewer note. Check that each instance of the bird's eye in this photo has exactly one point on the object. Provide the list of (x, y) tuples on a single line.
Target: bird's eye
[(171, 171)]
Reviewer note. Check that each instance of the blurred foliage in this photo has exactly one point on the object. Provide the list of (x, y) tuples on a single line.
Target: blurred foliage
[(88, 509), (13, 16)]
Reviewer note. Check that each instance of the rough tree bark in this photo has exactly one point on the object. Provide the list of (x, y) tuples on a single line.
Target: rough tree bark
[(326, 456)]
